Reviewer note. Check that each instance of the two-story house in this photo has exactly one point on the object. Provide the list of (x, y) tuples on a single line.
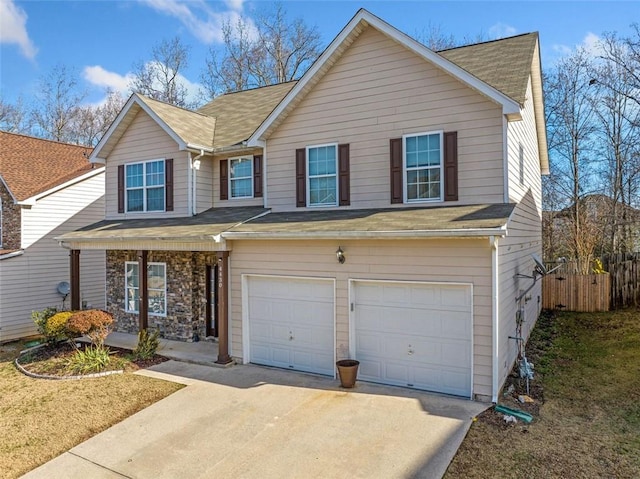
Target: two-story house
[(47, 189), (384, 207)]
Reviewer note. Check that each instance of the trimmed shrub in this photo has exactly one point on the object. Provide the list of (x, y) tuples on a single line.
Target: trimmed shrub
[(94, 323), (40, 318), (55, 328), (147, 344), (93, 359)]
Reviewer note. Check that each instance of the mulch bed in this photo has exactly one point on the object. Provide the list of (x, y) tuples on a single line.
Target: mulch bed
[(52, 360)]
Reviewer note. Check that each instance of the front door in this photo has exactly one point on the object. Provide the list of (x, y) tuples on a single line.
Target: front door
[(212, 301)]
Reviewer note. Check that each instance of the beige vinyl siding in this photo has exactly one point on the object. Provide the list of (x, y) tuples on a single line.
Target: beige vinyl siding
[(466, 261), (514, 257), (523, 134), (145, 140), (376, 91), (204, 184), (28, 282)]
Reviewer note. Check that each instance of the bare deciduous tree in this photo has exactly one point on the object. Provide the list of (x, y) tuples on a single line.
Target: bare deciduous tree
[(273, 50), (570, 121), (92, 122), (14, 117), (160, 78), (57, 105)]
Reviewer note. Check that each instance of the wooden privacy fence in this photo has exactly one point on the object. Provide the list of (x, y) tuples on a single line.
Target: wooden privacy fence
[(625, 279), (624, 283), (576, 292)]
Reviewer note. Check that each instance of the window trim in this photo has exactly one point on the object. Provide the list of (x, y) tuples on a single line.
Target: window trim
[(405, 192), (144, 188), (126, 289), (335, 175), (230, 179)]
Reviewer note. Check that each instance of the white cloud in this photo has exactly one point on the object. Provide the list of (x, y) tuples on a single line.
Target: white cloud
[(501, 30), (199, 18), (98, 76), (13, 28), (592, 45)]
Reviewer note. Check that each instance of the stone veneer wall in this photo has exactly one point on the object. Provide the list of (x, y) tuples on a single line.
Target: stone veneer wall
[(11, 214), (186, 293)]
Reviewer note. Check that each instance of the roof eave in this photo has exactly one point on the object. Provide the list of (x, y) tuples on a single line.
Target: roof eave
[(510, 107), (404, 234), (31, 201)]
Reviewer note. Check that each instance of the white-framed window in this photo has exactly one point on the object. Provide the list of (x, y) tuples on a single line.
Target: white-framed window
[(145, 186), (241, 177), (322, 177), (423, 163), (156, 287)]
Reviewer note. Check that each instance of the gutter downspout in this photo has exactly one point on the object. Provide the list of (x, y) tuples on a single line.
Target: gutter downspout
[(495, 324), (194, 164)]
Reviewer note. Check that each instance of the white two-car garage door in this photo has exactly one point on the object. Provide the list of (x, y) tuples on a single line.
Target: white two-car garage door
[(414, 334), (291, 323)]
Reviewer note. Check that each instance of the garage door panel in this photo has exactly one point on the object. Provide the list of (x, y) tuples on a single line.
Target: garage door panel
[(416, 335), (291, 323)]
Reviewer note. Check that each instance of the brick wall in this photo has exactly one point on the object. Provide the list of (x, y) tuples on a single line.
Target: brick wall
[(186, 293), (11, 232)]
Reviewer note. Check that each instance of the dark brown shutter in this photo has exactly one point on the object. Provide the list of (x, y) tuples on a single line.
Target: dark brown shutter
[(120, 188), (168, 184), (257, 176), (343, 175), (395, 147), (224, 179), (451, 166), (301, 177)]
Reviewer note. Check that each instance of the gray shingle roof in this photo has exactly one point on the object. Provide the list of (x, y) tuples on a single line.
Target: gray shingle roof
[(504, 64), (240, 114)]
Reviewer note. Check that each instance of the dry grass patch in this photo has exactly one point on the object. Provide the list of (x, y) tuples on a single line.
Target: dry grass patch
[(587, 389), (40, 419)]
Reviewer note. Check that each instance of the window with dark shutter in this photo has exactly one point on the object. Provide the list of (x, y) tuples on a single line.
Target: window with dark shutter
[(120, 188), (301, 177), (168, 184), (224, 179), (257, 176), (344, 179), (395, 147), (451, 166)]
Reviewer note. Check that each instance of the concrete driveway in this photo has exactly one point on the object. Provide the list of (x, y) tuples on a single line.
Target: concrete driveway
[(254, 422)]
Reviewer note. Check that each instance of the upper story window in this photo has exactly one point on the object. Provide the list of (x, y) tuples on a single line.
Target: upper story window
[(156, 288), (322, 178), (241, 177), (145, 186), (422, 163)]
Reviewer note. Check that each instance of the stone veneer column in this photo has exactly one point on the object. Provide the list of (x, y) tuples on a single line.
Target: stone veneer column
[(222, 258)]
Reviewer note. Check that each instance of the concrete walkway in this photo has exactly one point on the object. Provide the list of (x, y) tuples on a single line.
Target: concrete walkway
[(202, 352), (255, 422)]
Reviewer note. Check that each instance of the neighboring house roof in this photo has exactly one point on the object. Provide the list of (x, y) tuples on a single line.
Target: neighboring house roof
[(504, 64), (257, 222), (30, 166)]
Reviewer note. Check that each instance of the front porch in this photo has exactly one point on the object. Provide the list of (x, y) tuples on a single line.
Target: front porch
[(200, 352)]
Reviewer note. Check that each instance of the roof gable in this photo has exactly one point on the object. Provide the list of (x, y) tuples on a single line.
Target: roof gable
[(361, 21), (29, 166), (187, 128)]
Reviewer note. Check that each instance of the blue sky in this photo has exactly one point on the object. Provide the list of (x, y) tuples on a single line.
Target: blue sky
[(101, 40)]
